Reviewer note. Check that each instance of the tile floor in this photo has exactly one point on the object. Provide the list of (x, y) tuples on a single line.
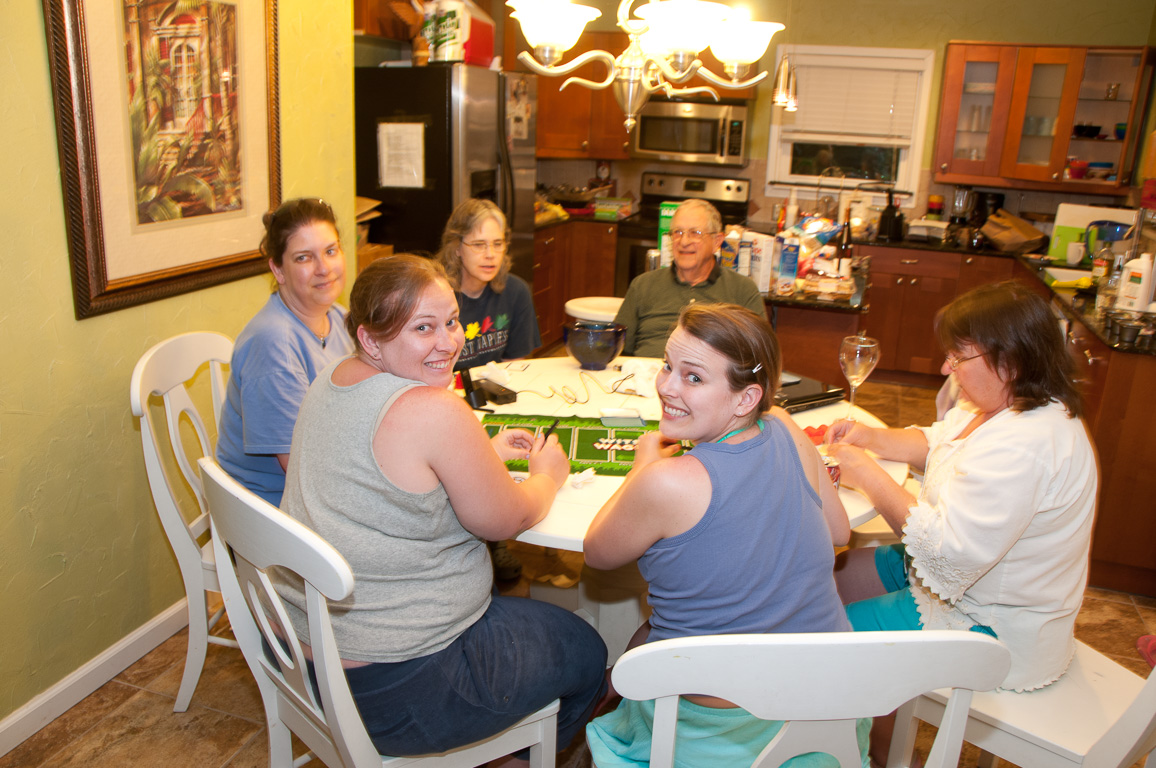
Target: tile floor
[(129, 721)]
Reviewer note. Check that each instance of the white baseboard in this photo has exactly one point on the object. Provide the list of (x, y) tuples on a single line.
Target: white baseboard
[(58, 699)]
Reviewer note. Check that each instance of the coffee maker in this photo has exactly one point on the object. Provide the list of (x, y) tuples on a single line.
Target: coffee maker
[(986, 204)]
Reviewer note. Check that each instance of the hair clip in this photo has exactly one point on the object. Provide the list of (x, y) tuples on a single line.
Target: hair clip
[(757, 368)]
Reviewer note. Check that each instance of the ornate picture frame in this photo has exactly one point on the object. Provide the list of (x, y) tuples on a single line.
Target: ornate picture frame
[(169, 139)]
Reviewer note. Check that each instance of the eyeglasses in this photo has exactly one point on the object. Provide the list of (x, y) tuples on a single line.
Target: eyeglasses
[(690, 235), (954, 362), (480, 246)]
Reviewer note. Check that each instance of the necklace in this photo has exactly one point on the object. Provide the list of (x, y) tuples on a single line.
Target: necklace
[(734, 432)]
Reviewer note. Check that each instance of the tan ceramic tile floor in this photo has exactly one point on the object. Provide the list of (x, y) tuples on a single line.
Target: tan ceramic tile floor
[(129, 720)]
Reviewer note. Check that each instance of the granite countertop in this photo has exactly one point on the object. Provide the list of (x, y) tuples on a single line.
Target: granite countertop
[(936, 246), (1081, 307), (798, 299)]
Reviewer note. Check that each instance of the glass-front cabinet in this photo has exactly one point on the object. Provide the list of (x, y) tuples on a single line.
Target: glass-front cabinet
[(977, 88), (1042, 113), (1042, 117)]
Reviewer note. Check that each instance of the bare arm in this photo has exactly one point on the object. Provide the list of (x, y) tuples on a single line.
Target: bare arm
[(658, 499), (283, 460), (906, 445), (430, 436), (817, 475)]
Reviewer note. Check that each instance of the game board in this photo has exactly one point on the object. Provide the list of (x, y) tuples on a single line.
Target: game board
[(578, 437)]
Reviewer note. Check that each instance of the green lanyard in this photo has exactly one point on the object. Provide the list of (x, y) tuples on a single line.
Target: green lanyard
[(734, 432)]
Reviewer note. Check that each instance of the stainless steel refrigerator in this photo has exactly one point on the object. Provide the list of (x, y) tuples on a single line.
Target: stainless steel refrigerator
[(428, 138)]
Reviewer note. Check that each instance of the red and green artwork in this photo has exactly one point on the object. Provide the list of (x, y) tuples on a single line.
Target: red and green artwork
[(588, 444)]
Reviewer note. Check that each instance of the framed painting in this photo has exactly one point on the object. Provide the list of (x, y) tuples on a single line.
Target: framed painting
[(168, 134)]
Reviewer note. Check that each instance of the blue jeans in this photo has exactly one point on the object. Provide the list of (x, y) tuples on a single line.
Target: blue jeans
[(521, 655)]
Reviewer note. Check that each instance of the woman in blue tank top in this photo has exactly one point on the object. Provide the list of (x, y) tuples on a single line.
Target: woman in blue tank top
[(733, 536)]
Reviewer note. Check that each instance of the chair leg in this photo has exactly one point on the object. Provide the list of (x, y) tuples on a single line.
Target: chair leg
[(198, 648), (986, 760)]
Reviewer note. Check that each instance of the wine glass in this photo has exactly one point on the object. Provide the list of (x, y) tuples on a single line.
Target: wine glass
[(857, 357)]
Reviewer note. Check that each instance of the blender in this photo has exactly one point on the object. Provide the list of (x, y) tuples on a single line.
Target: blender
[(962, 208)]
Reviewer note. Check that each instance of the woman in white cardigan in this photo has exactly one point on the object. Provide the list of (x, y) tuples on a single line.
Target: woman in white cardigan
[(998, 539)]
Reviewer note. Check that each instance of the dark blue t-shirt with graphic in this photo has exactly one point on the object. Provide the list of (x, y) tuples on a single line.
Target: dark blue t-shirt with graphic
[(498, 326)]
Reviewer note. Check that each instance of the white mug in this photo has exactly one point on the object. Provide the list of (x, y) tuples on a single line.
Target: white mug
[(1075, 253)]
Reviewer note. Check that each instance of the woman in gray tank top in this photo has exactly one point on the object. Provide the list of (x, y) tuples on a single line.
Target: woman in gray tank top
[(395, 471)]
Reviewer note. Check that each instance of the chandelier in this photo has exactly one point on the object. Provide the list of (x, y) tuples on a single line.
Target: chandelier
[(665, 41)]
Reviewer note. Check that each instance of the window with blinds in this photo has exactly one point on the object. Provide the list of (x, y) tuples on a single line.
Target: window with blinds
[(862, 113)]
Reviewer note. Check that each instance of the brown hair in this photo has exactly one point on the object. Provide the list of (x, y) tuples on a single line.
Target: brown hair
[(1021, 338), (748, 342), (467, 217), (386, 294), (290, 216)]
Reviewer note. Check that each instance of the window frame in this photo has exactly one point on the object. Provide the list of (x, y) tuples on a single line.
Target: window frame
[(779, 180)]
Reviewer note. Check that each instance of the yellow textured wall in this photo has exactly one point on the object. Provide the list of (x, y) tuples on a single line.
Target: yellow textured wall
[(83, 559)]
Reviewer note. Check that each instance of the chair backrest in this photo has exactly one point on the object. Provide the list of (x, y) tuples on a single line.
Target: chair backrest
[(818, 682), (1132, 736), (164, 371), (249, 537)]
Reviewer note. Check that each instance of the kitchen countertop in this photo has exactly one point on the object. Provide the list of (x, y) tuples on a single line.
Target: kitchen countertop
[(935, 246), (1082, 309)]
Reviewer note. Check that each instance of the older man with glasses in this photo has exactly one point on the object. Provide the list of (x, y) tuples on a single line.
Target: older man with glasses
[(654, 299)]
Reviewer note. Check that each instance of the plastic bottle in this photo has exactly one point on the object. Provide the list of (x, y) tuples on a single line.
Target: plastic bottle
[(429, 27), (1136, 284), (1109, 288), (792, 210)]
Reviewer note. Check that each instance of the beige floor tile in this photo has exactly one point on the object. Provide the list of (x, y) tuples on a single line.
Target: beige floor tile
[(158, 661), (39, 749), (255, 754), (145, 731), (1149, 617), (1108, 594), (226, 684), (1110, 627)]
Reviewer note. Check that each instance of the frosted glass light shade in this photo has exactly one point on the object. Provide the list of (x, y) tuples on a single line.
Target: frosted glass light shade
[(683, 25), (552, 23), (737, 41)]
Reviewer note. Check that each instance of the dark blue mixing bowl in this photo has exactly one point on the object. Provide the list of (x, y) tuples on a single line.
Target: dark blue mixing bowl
[(594, 345)]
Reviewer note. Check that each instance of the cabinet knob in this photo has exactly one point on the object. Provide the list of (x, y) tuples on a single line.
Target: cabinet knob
[(626, 146), (610, 230), (1055, 176), (549, 241), (537, 266), (914, 281), (969, 260), (585, 146), (1092, 359), (909, 261), (899, 281), (943, 166)]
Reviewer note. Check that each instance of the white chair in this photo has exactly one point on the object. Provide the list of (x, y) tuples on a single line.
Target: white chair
[(1098, 715), (252, 535), (820, 683), (164, 371)]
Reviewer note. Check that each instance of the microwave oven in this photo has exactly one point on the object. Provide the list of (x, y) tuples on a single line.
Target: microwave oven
[(691, 132)]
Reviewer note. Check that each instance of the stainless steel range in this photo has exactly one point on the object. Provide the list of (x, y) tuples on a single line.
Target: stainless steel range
[(639, 233)]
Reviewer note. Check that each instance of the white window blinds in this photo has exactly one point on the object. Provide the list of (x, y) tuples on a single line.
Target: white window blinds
[(876, 104)]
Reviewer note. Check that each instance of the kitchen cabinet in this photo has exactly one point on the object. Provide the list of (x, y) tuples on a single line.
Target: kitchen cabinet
[(592, 247), (571, 260), (907, 288), (1008, 115), (548, 301), (576, 123), (809, 340), (976, 270), (1117, 387)]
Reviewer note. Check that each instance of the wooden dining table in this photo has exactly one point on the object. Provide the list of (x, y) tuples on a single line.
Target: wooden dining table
[(557, 387)]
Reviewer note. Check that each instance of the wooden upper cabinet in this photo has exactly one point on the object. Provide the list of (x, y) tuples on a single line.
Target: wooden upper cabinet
[(1043, 112), (1007, 115), (977, 94)]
